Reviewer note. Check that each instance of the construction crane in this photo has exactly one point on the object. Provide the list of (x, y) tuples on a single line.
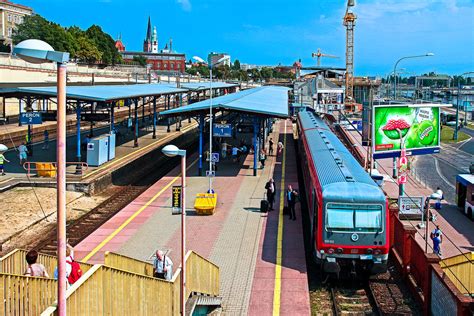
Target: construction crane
[(349, 23), (319, 55)]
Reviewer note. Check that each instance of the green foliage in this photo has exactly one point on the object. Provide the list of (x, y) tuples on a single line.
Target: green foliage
[(4, 48), (140, 59), (90, 46), (203, 70), (236, 65)]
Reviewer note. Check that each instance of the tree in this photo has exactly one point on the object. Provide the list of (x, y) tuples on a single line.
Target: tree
[(141, 60), (236, 65), (105, 44), (5, 48), (266, 72)]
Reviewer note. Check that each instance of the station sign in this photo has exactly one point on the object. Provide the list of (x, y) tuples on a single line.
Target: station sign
[(412, 205), (418, 126), (31, 118), (176, 200), (222, 130), (215, 157)]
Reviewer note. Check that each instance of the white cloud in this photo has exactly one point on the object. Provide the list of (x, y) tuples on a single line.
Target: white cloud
[(185, 4)]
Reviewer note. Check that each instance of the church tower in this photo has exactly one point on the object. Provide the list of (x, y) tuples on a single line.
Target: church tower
[(147, 43), (154, 41)]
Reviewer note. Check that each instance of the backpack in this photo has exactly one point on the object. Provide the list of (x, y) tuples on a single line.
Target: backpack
[(76, 272)]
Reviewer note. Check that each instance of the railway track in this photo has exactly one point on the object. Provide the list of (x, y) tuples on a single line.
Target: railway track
[(82, 227), (353, 300)]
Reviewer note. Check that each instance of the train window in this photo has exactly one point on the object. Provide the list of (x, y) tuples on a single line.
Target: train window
[(354, 217)]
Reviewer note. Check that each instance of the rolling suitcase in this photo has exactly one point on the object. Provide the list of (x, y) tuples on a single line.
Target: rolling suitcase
[(264, 206)]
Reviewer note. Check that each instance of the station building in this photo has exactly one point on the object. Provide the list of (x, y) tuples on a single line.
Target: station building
[(164, 60), (11, 15)]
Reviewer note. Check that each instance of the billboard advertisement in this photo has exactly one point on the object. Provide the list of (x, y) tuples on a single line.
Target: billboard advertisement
[(419, 128)]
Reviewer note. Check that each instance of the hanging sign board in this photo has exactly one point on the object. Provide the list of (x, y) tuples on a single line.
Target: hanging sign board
[(176, 200), (31, 118)]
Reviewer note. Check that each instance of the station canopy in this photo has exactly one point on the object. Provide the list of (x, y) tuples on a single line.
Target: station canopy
[(269, 101), (106, 93)]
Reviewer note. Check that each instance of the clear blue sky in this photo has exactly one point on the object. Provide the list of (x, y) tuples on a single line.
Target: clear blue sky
[(281, 31)]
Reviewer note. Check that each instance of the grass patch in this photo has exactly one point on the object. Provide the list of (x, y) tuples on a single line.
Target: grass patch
[(447, 135)]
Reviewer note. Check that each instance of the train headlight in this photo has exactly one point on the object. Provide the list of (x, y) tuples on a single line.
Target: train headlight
[(377, 252), (330, 251), (369, 251), (339, 250)]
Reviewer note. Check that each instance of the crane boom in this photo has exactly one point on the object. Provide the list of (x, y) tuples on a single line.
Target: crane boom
[(319, 54), (349, 23)]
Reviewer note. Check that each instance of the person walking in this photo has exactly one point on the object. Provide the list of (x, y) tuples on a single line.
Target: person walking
[(270, 147), (162, 266), (46, 139), (2, 161), (22, 153), (34, 269), (270, 187), (291, 196), (235, 152), (440, 196)]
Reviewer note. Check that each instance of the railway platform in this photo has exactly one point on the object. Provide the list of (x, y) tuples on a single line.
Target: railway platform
[(260, 255)]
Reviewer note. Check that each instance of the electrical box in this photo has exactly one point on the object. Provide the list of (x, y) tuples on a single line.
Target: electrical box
[(111, 154), (98, 151)]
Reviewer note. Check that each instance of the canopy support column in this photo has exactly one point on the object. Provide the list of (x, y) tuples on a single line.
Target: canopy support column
[(255, 144), (180, 104), (19, 111), (135, 137), (201, 129), (143, 111), (167, 100), (112, 118), (78, 137), (154, 117)]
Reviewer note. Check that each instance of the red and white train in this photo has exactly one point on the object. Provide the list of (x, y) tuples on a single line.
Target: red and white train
[(348, 211)]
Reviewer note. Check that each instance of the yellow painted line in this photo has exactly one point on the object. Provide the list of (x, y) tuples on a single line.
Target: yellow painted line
[(4, 181), (277, 288), (136, 152), (124, 224)]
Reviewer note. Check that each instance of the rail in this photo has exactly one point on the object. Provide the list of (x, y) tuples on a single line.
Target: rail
[(122, 262), (22, 295), (14, 263), (121, 292), (48, 169)]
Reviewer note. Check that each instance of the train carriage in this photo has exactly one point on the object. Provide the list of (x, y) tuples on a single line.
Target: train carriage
[(348, 211)]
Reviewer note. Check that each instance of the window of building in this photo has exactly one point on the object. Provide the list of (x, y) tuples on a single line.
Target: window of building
[(172, 66), (159, 64), (10, 31), (9, 17), (166, 66)]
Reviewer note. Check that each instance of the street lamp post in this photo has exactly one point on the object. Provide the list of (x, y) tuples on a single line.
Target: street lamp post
[(395, 71), (395, 94), (211, 65), (455, 135), (173, 151), (38, 52)]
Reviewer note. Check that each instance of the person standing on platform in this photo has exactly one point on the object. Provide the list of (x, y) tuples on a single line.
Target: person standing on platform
[(270, 147), (270, 187), (262, 157), (46, 139), (2, 161), (22, 153), (279, 148), (291, 196), (235, 152), (440, 196), (162, 266), (437, 233)]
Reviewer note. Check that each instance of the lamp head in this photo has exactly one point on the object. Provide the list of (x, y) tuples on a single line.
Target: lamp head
[(199, 59), (170, 150), (37, 52)]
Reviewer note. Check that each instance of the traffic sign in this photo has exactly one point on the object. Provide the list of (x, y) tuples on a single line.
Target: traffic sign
[(215, 157), (210, 173), (402, 167), (31, 118)]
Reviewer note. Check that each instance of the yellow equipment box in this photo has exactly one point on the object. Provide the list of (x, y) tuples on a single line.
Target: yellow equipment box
[(205, 203)]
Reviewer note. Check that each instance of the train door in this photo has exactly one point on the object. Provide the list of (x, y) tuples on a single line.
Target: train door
[(461, 195), (315, 221)]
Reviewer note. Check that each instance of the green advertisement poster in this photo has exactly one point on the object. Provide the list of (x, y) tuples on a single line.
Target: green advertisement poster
[(419, 127)]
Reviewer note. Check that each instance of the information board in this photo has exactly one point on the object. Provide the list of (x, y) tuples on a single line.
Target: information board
[(222, 130), (176, 200), (412, 205)]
